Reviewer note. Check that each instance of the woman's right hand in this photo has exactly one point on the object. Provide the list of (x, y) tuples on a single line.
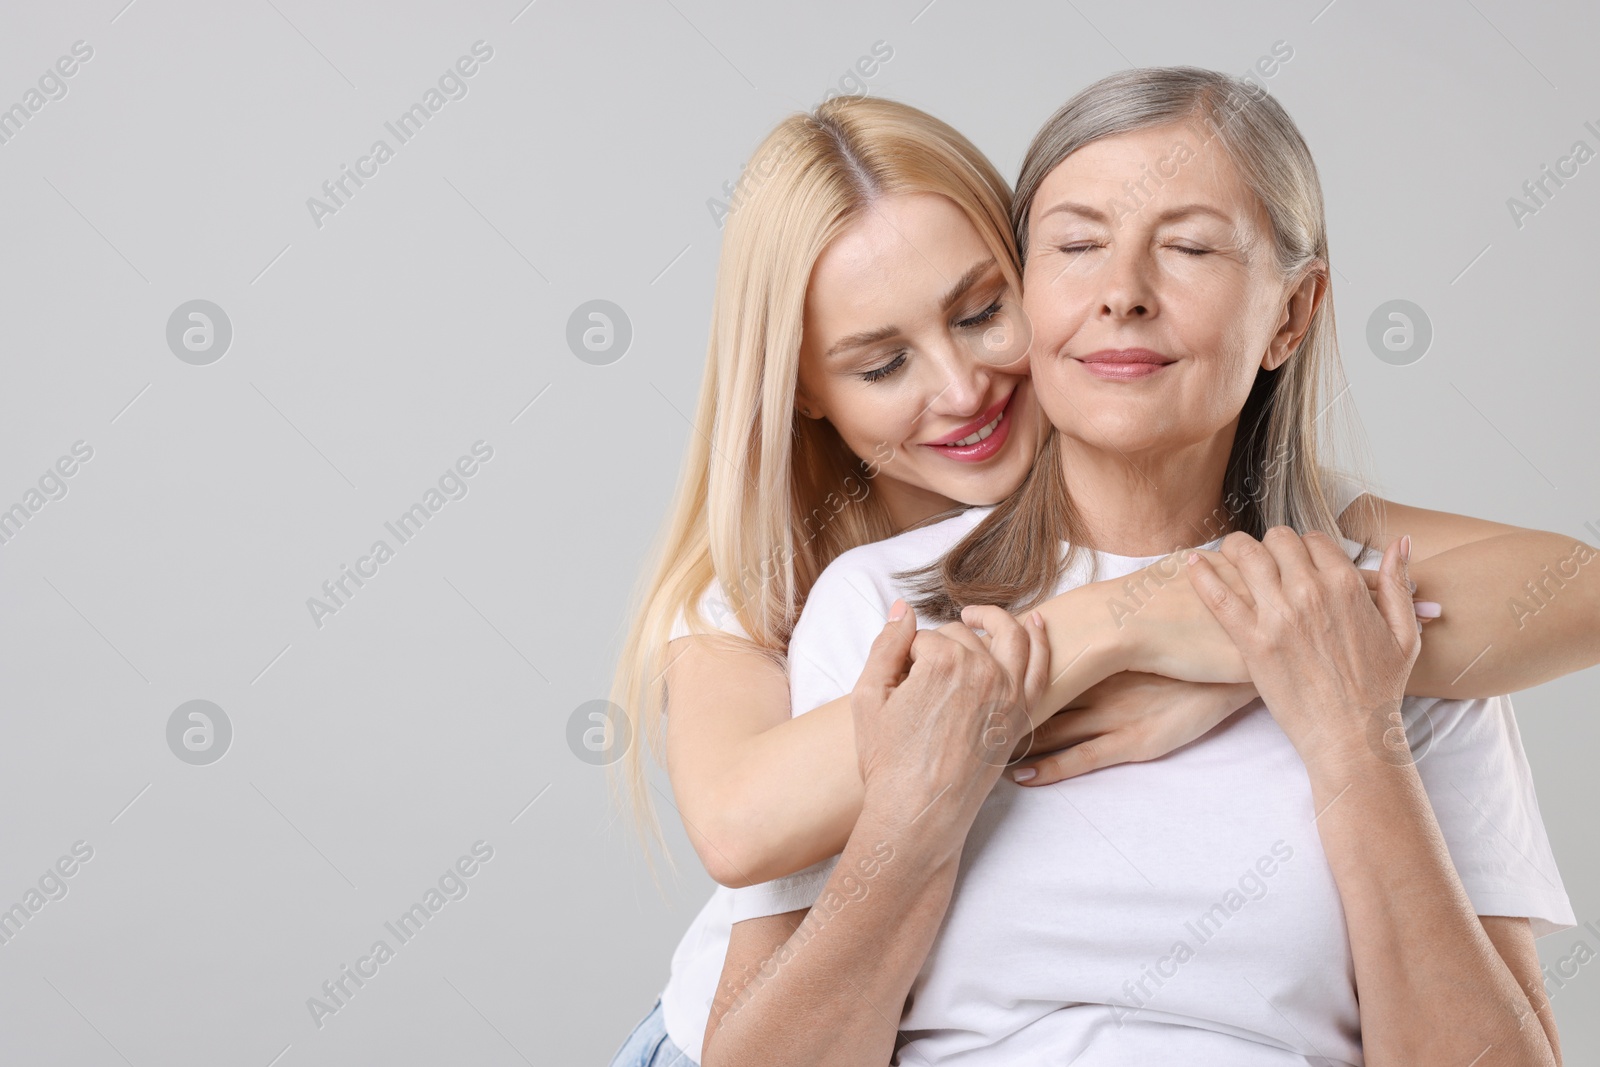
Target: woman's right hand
[(1171, 632), (937, 712)]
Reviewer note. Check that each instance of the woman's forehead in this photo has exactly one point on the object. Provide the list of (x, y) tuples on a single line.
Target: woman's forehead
[(1168, 164)]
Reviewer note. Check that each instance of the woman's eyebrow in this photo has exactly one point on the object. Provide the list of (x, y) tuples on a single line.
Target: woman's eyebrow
[(1088, 211), (860, 340), (976, 273), (1071, 207)]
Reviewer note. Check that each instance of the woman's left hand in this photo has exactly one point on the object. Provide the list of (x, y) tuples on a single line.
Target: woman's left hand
[(1330, 663), (1128, 718)]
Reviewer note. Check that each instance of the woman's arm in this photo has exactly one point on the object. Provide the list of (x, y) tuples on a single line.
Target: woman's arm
[(761, 794), (1520, 606), (1434, 985), (764, 795), (828, 985), (1496, 635)]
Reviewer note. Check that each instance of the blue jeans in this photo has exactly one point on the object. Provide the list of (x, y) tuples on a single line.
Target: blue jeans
[(649, 1045)]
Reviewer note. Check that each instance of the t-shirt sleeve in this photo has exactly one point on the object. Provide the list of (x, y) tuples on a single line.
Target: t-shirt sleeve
[(1342, 490), (1469, 755), (715, 610), (792, 892)]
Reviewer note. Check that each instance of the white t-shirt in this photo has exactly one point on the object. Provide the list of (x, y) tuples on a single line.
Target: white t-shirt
[(697, 961), (715, 610), (1179, 910)]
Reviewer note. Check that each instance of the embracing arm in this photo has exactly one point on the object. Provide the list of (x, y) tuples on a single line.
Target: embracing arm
[(763, 795), (1496, 634), (1437, 983)]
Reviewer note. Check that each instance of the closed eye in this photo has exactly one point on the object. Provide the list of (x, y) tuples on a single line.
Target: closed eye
[(879, 373), (981, 317)]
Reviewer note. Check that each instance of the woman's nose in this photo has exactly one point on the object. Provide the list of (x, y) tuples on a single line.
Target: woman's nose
[(1127, 291), (963, 389)]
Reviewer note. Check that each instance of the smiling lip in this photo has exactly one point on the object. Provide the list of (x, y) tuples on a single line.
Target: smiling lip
[(984, 449), (1123, 364)]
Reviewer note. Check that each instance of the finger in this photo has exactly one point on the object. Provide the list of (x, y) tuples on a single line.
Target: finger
[(1010, 642), (1224, 568), (1067, 728), (1255, 563), (1289, 552), (1225, 605), (1372, 580), (1326, 553), (1427, 610), (1107, 750), (962, 634), (890, 655), (1394, 599)]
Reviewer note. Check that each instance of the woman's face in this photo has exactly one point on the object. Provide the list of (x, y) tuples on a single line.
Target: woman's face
[(1153, 293), (912, 349)]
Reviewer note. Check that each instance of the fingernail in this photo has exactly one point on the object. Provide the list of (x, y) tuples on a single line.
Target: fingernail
[(897, 610), (1413, 585), (1405, 549), (1428, 609), (1191, 557), (1024, 774), (1038, 620)]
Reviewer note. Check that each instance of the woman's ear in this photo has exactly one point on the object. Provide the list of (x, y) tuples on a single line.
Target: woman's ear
[(1302, 304), (803, 404)]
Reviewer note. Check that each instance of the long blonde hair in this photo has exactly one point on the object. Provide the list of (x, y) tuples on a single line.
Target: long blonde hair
[(757, 504), (1275, 470)]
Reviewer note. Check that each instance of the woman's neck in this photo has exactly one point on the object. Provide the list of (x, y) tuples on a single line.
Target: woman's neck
[(1145, 504), (910, 504)]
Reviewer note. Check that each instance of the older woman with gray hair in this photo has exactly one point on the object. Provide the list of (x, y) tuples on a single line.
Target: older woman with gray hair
[(1225, 903)]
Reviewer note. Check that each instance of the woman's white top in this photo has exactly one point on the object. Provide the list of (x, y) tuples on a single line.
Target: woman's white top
[(1176, 910)]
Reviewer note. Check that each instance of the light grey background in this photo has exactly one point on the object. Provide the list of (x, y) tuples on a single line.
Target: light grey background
[(429, 313)]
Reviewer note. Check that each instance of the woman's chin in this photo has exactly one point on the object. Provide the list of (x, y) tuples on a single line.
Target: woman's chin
[(1115, 439)]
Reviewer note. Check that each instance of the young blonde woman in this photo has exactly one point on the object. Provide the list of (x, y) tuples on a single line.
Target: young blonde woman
[(864, 358)]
